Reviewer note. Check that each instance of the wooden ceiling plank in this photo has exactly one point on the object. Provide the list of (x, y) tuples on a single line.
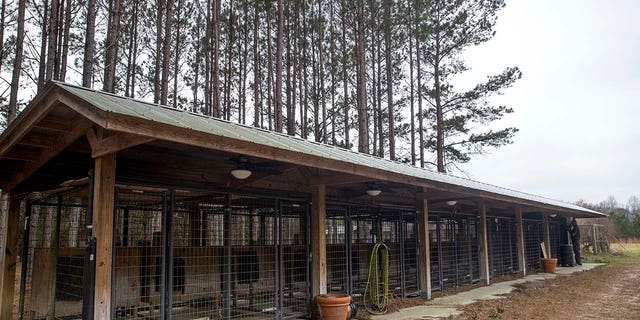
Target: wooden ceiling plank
[(45, 155), (19, 128)]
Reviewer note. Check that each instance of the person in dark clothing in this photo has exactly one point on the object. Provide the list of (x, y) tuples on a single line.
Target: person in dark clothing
[(574, 231)]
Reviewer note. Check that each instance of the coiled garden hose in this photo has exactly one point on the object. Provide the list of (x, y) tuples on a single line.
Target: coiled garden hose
[(376, 293)]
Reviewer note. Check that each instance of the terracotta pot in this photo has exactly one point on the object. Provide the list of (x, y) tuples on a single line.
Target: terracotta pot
[(333, 306), (549, 265)]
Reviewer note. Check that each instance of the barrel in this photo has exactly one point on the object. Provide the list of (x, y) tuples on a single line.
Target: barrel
[(566, 255)]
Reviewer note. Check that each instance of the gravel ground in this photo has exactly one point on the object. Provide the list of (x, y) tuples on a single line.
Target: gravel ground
[(607, 292)]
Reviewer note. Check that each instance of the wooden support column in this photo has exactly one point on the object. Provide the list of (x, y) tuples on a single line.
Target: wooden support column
[(103, 213), (594, 238), (8, 243), (424, 253), (318, 241), (484, 245), (522, 262), (546, 234)]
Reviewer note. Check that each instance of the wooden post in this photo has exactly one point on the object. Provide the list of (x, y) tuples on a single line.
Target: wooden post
[(424, 253), (546, 234), (484, 245), (103, 213), (522, 262), (595, 239), (8, 244), (318, 241)]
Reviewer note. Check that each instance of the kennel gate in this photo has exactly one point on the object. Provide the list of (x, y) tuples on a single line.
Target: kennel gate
[(215, 256)]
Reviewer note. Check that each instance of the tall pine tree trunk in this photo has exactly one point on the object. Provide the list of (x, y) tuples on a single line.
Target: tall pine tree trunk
[(44, 35), (257, 103), (278, 90), (89, 45), (157, 79), (411, 103), (420, 115), (389, 66), (111, 45), (52, 49), (17, 65), (166, 52), (3, 15), (65, 41), (363, 126)]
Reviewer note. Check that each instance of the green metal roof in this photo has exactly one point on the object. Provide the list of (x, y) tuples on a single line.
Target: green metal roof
[(157, 113)]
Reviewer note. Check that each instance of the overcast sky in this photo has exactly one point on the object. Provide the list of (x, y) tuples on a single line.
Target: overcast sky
[(577, 103)]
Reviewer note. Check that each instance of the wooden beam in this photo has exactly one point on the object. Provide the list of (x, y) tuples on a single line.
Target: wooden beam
[(484, 245), (168, 132), (318, 241), (522, 262), (63, 141), (103, 216), (21, 154), (340, 179), (424, 250), (8, 242), (38, 140), (54, 124), (114, 143), (36, 110), (546, 234)]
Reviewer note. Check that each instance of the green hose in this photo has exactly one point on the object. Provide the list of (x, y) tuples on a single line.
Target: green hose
[(376, 293)]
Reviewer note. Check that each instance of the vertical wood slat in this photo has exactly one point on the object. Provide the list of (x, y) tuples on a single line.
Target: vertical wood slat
[(546, 234), (522, 262), (484, 245), (318, 241), (103, 215), (8, 243), (425, 251)]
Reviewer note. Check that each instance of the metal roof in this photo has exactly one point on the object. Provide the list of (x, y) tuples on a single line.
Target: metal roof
[(162, 114)]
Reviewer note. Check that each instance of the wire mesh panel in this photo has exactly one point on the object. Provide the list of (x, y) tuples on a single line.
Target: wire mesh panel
[(410, 254), (500, 235), (555, 236), (52, 263), (294, 246), (198, 239), (254, 238), (532, 240), (363, 237), (137, 279), (336, 239), (457, 244), (391, 237), (434, 252)]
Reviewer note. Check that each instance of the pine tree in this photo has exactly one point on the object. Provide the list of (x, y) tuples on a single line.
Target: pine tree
[(455, 25)]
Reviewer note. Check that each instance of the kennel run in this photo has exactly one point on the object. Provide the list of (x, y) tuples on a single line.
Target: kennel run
[(119, 209)]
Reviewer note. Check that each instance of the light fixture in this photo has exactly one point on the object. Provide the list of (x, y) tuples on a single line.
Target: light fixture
[(553, 215), (451, 202), (240, 174), (374, 192)]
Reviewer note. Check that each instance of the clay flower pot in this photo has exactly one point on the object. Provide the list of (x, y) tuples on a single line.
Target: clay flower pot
[(333, 306), (549, 265)]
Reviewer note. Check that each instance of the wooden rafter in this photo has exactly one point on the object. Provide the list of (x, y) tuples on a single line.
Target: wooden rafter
[(61, 142), (114, 143)]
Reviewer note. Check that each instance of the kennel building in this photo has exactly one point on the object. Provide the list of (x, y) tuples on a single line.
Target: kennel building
[(114, 208)]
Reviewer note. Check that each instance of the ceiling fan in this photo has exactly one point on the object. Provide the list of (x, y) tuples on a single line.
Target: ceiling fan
[(245, 163)]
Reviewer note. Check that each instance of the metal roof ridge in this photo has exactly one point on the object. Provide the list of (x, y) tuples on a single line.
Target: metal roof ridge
[(284, 135)]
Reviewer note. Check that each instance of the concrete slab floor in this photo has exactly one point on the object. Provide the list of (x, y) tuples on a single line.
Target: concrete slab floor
[(444, 307)]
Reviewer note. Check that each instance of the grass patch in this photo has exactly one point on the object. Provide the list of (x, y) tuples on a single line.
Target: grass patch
[(620, 253)]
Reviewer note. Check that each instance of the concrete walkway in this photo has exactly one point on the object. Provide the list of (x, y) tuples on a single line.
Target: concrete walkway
[(446, 306)]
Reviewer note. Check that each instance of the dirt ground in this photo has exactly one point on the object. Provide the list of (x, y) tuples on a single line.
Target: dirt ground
[(607, 292)]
